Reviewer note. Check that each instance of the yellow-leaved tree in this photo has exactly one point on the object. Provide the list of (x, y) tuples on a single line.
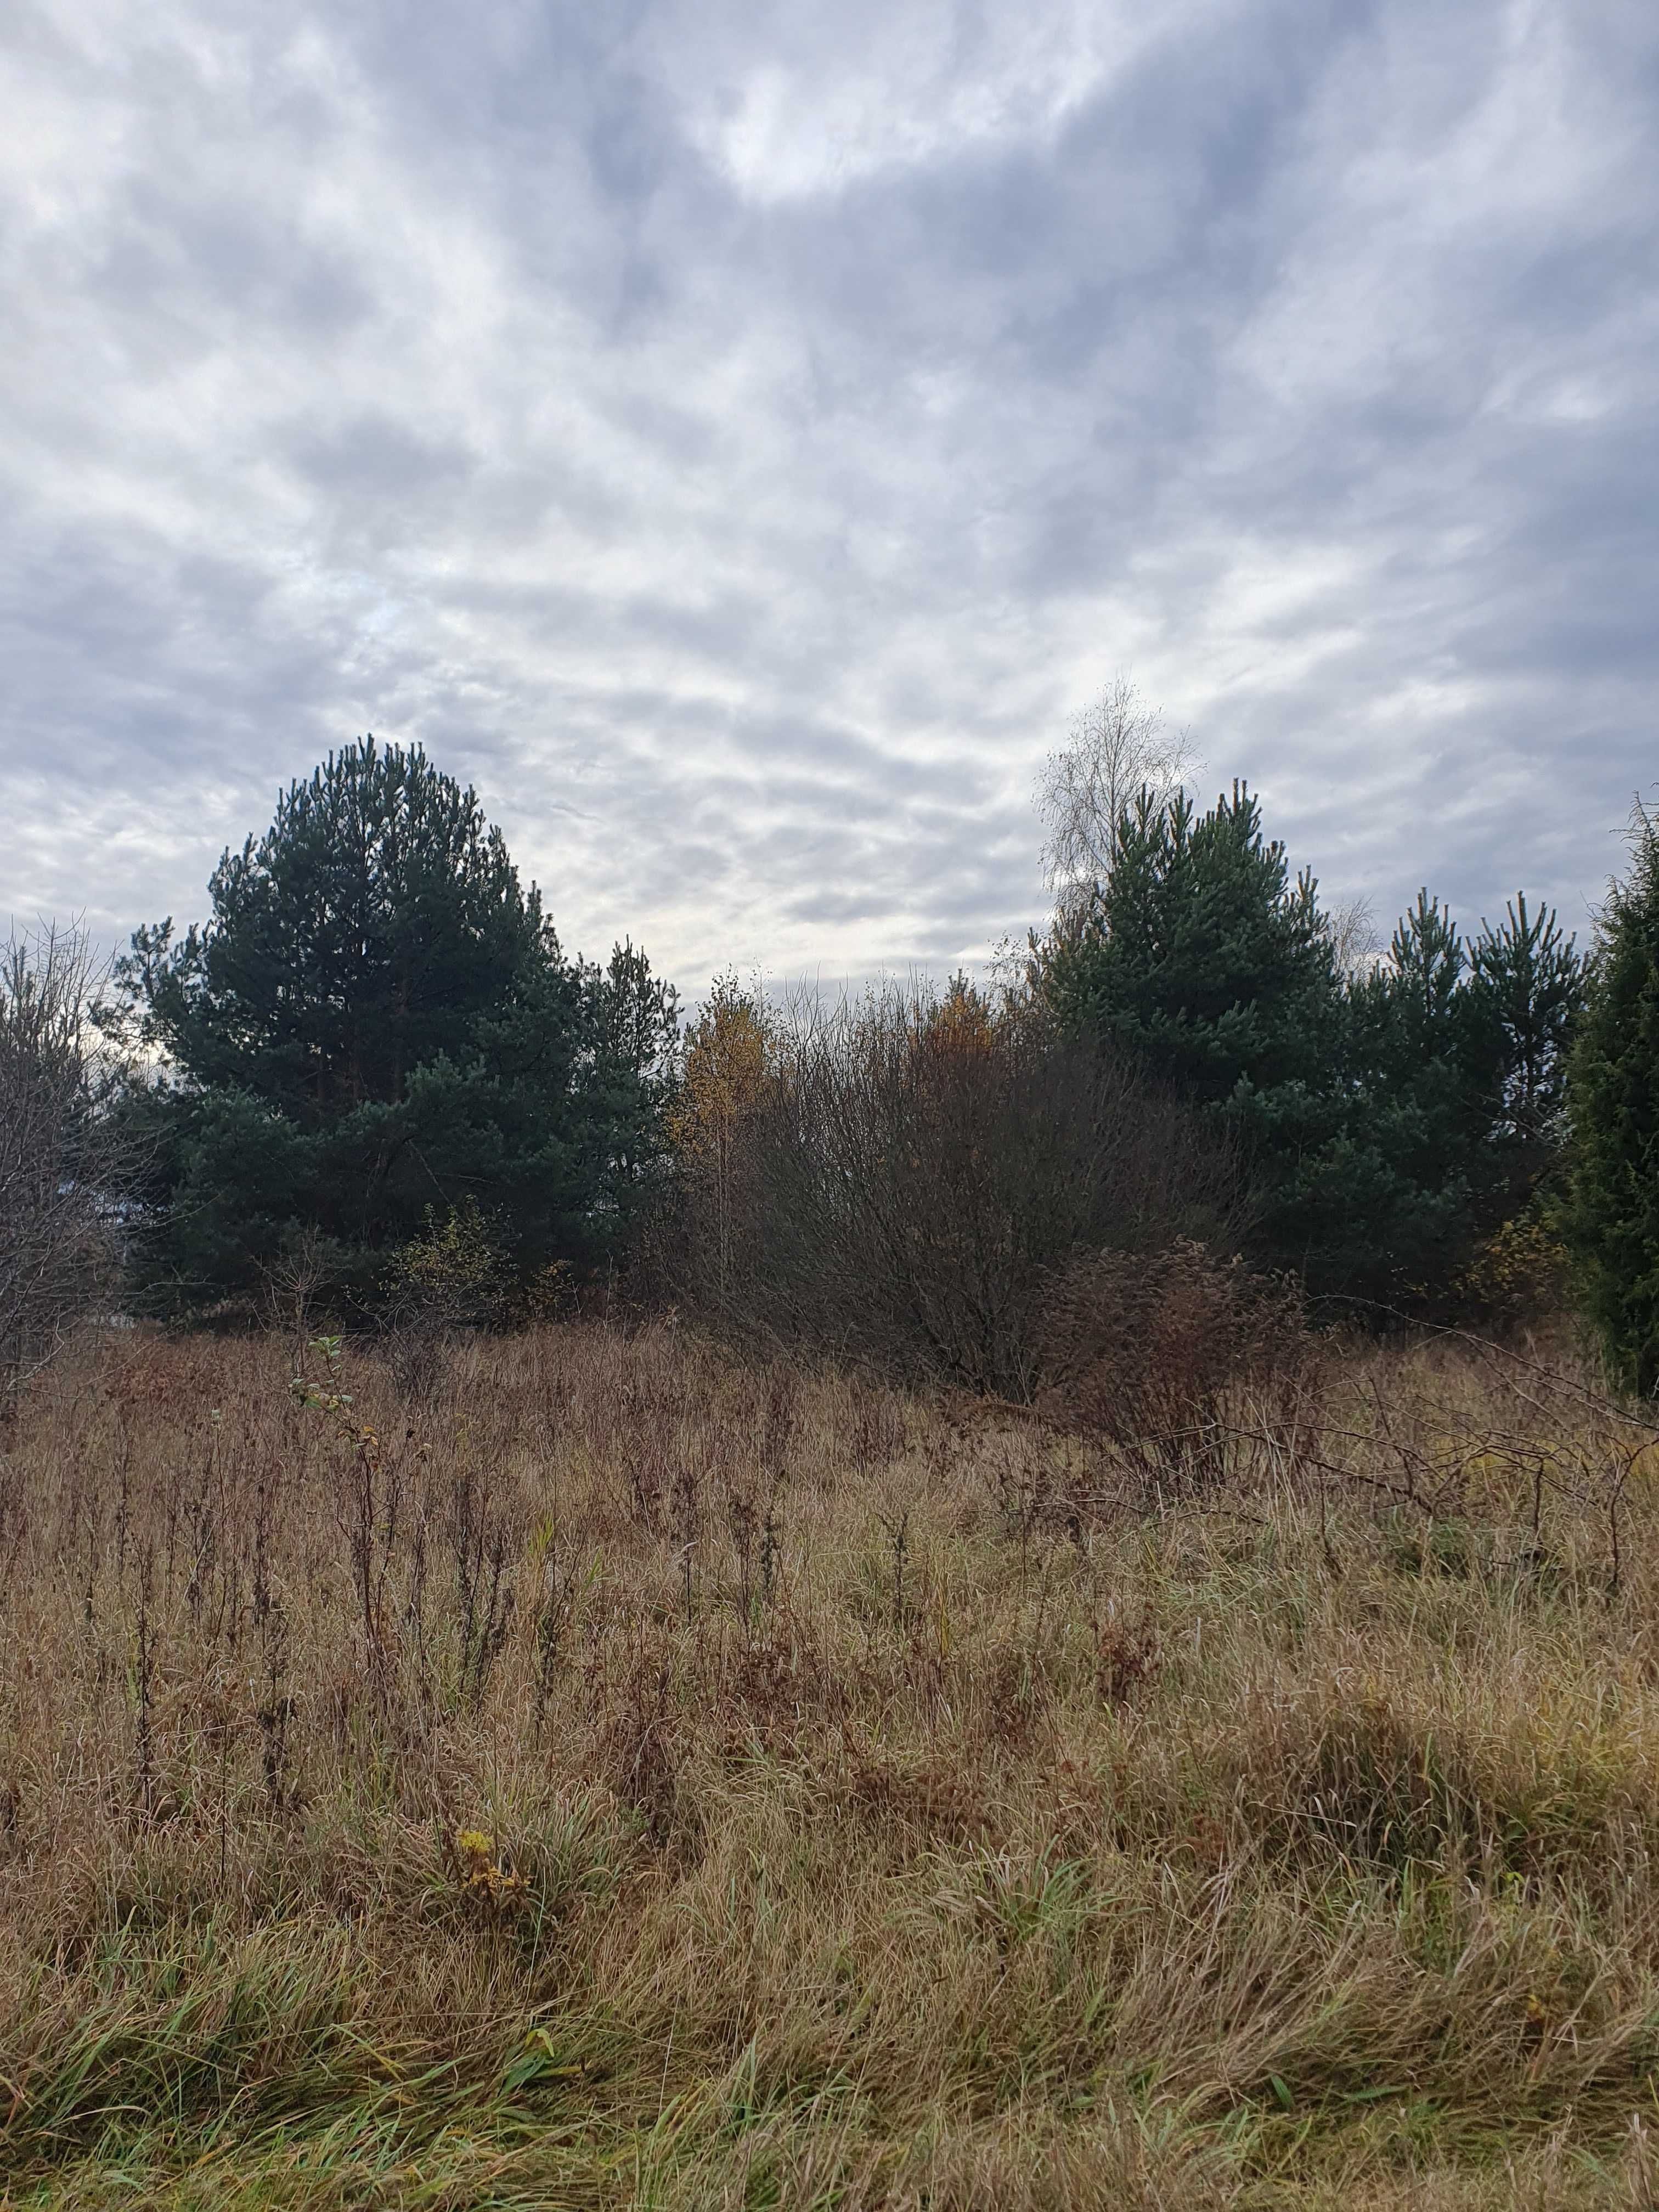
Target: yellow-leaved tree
[(963, 1024), (729, 1053)]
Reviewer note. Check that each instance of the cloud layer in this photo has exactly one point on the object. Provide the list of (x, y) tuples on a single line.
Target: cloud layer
[(737, 441)]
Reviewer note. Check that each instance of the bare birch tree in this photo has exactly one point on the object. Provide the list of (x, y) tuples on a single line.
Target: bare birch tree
[(1356, 941), (1118, 747), (57, 1240)]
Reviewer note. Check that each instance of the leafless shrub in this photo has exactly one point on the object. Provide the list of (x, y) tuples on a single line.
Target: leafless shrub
[(1118, 747), (296, 1282), (1475, 1448), (913, 1172), (1151, 1354), (58, 1233)]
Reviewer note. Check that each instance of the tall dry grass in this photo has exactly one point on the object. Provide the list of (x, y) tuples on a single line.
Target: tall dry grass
[(594, 1772)]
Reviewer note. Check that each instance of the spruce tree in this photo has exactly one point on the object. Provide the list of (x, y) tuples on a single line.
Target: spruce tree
[(1611, 1218)]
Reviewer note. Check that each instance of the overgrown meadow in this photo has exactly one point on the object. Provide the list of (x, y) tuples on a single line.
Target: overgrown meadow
[(582, 1768)]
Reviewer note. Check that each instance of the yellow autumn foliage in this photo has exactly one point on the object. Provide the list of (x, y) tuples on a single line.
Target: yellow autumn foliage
[(729, 1052)]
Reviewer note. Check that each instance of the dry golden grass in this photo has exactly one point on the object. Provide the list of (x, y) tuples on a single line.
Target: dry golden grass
[(598, 1774)]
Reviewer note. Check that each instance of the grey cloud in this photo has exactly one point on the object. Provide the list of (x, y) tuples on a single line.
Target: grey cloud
[(738, 443), (377, 458), (174, 261)]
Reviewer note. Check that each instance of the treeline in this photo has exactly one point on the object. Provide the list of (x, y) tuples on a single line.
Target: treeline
[(1393, 1114), (374, 1085)]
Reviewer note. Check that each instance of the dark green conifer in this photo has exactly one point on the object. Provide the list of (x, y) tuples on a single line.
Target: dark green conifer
[(376, 1025), (1612, 1215), (1393, 1117), (1200, 956), (1529, 981)]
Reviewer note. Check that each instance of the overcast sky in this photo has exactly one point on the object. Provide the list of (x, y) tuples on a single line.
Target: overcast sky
[(738, 439)]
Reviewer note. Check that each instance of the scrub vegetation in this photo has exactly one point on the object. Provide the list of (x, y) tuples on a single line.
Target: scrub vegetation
[(972, 1599), (598, 1770)]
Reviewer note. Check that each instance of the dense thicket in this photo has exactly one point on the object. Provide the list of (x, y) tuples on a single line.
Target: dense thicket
[(909, 1179), (1612, 1214), (376, 1039), (1394, 1117), (376, 1025)]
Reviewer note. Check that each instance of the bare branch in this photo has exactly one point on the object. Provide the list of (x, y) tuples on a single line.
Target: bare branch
[(58, 1231), (1355, 940), (1118, 748)]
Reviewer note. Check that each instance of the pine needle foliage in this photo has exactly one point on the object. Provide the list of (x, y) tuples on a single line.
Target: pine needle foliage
[(1612, 1218), (378, 1020), (1393, 1115)]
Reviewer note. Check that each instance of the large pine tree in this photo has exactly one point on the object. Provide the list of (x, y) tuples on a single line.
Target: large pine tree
[(1611, 1216), (1200, 954), (1392, 1117), (378, 1022), (372, 928)]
